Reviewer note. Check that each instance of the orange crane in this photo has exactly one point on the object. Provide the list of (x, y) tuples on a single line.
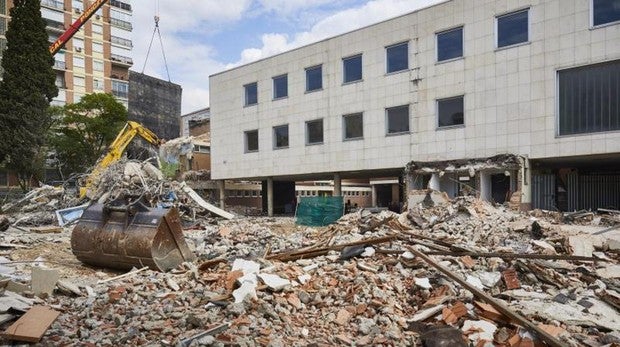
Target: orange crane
[(67, 35)]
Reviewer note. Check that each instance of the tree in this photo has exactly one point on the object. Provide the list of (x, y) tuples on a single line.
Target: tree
[(25, 91), (84, 130)]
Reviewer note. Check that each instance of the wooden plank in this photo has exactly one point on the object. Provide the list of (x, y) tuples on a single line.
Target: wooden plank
[(31, 326), (46, 229), (500, 307)]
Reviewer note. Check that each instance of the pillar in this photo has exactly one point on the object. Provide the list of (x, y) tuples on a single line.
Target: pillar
[(337, 185), (270, 196), (434, 182), (374, 195), (526, 184), (221, 186)]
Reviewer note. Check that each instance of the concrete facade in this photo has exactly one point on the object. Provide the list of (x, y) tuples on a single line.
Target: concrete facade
[(510, 94), (156, 104)]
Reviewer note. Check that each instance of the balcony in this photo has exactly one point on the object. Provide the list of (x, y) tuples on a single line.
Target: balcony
[(59, 5), (120, 93), (121, 5), (120, 23), (60, 65), (54, 25), (119, 59), (121, 41)]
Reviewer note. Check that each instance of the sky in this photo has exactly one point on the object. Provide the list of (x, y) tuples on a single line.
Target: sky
[(203, 37)]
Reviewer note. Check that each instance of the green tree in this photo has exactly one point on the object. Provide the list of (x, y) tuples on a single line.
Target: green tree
[(25, 91), (84, 130)]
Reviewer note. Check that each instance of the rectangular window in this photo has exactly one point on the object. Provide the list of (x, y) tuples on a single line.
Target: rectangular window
[(2, 25), (352, 69), (251, 141), (314, 78), (251, 94), (97, 84), (78, 61), (97, 47), (589, 99), (397, 119), (3, 7), (280, 136), (450, 44), (353, 126), (314, 132), (97, 28), (280, 86), (78, 44), (512, 28), (97, 65), (79, 81), (605, 11), (77, 4), (397, 57), (450, 112)]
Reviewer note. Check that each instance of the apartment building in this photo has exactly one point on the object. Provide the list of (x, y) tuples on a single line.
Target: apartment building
[(442, 89), (97, 58)]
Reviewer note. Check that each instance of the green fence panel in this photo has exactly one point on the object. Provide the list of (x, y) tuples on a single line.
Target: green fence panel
[(319, 210)]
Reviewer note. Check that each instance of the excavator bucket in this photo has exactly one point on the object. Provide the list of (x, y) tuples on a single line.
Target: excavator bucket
[(122, 237)]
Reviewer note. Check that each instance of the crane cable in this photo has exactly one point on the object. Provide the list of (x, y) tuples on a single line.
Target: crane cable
[(156, 30)]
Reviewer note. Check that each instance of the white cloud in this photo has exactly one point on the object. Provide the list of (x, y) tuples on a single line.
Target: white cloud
[(290, 6), (338, 23)]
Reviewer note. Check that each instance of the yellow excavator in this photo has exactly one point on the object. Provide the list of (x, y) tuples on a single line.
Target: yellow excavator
[(126, 234), (116, 149)]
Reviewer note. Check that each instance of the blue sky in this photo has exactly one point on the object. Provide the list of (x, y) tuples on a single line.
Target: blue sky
[(202, 37)]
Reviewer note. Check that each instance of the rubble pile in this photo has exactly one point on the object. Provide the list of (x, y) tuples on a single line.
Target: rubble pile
[(452, 273), (37, 207)]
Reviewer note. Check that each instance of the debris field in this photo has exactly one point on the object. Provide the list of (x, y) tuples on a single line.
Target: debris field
[(446, 272)]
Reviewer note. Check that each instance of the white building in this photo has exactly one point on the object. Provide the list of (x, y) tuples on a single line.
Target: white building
[(459, 80)]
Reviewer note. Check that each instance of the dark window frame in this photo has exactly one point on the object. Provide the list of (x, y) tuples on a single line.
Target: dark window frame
[(275, 139), (246, 95), (247, 142), (275, 89), (307, 125), (438, 48), (452, 98), (310, 70), (387, 59), (344, 126), (344, 69), (507, 15), (387, 120), (593, 23)]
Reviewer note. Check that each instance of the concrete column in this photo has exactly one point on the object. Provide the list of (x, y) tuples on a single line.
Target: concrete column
[(337, 185), (221, 187), (526, 184), (434, 182), (485, 186), (373, 191), (270, 197)]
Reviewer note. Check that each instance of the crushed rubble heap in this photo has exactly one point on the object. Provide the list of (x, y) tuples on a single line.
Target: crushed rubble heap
[(266, 281)]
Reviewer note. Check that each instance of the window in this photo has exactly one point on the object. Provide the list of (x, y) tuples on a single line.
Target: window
[(97, 65), (77, 4), (120, 89), (397, 119), (512, 28), (314, 132), (280, 136), (79, 81), (97, 84), (450, 112), (97, 47), (78, 44), (97, 28), (450, 44), (314, 78), (280, 86), (251, 94), (353, 126), (251, 141), (3, 7), (397, 57), (78, 61), (2, 25), (589, 99), (352, 69), (605, 11)]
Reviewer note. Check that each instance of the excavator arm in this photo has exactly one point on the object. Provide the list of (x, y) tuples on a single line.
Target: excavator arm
[(117, 148)]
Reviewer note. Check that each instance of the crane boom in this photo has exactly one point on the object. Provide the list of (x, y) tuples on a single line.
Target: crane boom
[(68, 34)]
